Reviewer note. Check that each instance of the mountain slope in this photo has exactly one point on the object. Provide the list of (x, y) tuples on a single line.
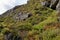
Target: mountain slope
[(32, 21)]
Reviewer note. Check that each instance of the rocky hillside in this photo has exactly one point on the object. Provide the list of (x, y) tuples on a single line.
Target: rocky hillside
[(36, 20)]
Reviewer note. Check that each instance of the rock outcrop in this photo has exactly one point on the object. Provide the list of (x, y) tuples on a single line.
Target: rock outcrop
[(22, 16), (54, 4)]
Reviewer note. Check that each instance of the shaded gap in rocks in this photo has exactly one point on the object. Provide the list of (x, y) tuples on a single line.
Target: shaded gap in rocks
[(54, 5)]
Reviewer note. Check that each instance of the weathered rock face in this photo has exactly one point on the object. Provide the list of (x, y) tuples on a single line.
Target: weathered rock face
[(22, 16), (58, 6), (54, 4)]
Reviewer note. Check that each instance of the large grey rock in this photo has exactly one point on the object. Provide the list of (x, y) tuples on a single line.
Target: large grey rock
[(21, 16)]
